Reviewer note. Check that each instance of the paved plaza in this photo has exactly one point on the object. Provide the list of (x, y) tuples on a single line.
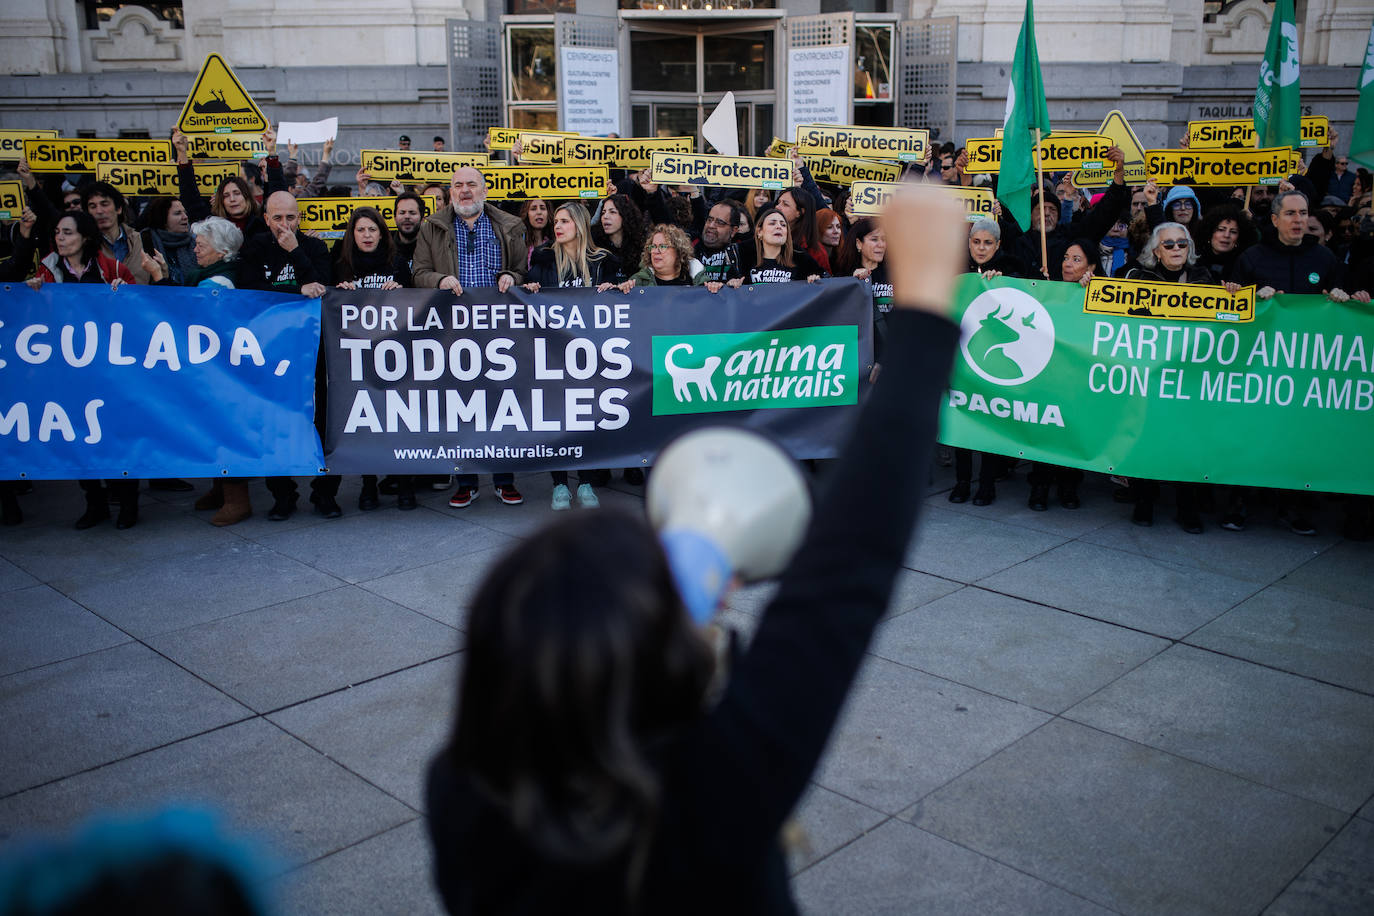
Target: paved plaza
[(1062, 713)]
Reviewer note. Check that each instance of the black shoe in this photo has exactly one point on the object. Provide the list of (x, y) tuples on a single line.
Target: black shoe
[(367, 499), (128, 514), (1123, 495), (389, 486), (96, 512), (634, 477), (1039, 498), (1144, 514), (327, 506), (986, 495), (170, 485), (1190, 521), (282, 507), (1068, 497), (406, 501), (960, 492)]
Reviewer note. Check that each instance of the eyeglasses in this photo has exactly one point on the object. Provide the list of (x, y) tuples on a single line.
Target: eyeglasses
[(660, 247), (718, 222), (1171, 244), (946, 165)]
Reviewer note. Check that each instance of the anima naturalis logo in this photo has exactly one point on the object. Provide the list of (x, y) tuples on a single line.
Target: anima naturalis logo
[(797, 367), (1006, 336)]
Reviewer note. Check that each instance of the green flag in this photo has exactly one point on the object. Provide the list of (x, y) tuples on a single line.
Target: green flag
[(1026, 112), (1278, 118), (1362, 137)]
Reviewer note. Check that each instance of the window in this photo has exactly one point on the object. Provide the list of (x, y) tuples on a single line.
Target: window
[(98, 11), (873, 63), (738, 62), (533, 73), (518, 7), (661, 62)]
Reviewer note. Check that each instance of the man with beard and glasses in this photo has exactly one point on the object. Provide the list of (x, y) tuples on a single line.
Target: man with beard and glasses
[(467, 245)]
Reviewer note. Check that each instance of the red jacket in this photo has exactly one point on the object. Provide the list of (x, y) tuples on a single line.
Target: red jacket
[(110, 269)]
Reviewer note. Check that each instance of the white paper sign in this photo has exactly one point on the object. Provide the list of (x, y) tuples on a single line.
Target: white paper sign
[(307, 131), (819, 85), (589, 90)]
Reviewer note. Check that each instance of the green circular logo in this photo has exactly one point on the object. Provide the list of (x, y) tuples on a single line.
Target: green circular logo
[(1313, 277)]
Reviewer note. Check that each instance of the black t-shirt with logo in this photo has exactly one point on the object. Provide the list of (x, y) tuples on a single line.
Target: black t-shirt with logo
[(768, 270)]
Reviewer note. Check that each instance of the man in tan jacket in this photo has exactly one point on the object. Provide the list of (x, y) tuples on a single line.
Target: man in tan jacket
[(467, 245), (470, 243), (118, 239)]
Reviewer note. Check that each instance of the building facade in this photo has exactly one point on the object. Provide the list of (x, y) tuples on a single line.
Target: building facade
[(423, 68)]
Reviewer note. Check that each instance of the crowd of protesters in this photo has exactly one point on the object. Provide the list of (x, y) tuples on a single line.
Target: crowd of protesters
[(1314, 233)]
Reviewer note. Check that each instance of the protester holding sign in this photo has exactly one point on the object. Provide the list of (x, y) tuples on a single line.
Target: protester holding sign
[(716, 250), (233, 199)]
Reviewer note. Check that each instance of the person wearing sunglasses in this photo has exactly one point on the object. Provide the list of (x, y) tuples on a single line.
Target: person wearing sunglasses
[(1169, 257)]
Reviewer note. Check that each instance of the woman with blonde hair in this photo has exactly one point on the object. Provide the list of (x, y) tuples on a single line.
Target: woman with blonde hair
[(572, 260)]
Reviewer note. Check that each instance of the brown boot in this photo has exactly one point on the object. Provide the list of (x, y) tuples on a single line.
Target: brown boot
[(236, 505), (213, 498)]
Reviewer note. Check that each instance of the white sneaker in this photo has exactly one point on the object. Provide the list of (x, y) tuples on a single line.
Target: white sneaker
[(587, 496), (562, 497)]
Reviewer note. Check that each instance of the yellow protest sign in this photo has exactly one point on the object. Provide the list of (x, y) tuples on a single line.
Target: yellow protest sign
[(499, 138), (328, 217), (847, 171), (12, 142), (560, 182), (226, 146), (870, 197), (218, 103), (11, 200), (1088, 151), (998, 131), (722, 171), (541, 148), (1117, 129), (621, 154), (1239, 133), (779, 149), (409, 167), (1226, 168), (832, 140), (82, 156), (162, 180), (1172, 301)]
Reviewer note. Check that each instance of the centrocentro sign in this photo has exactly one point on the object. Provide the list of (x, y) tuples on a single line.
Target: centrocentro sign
[(1007, 336), (797, 367)]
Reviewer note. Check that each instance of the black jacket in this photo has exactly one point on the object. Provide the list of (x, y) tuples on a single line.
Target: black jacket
[(265, 265), (1306, 268), (729, 780), (602, 266)]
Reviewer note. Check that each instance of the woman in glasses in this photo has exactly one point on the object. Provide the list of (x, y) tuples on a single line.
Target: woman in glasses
[(667, 261), (1169, 257)]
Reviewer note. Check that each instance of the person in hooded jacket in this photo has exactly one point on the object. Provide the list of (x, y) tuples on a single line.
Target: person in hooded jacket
[(1180, 205)]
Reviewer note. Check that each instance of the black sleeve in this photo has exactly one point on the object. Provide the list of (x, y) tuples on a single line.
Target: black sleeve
[(253, 264), (276, 180), (1319, 173), (1099, 218), (1154, 214), (760, 744), (311, 260), (197, 207)]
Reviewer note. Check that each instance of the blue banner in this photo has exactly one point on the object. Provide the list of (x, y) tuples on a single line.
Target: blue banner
[(154, 381)]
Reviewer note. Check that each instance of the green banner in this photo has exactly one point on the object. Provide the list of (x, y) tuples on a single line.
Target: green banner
[(1286, 400)]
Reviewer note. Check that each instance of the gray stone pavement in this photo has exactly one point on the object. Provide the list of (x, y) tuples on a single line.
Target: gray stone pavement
[(1063, 713)]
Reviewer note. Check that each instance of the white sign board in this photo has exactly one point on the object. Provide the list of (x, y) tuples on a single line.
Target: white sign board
[(819, 85), (299, 132), (589, 90)]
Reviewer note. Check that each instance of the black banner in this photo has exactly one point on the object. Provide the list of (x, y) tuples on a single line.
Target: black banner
[(423, 382)]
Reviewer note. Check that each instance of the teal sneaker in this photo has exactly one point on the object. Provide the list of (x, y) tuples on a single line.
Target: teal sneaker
[(562, 497), (586, 496)]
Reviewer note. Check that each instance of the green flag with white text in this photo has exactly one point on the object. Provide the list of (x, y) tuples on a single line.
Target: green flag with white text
[(1278, 115), (1026, 111), (1362, 137)]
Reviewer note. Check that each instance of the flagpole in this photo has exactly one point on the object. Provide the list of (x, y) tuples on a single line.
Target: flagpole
[(1040, 183)]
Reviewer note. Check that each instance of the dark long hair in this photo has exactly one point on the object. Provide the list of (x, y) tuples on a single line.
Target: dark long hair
[(350, 254), (535, 236), (88, 230), (1245, 236), (633, 229), (217, 202), (849, 259), (805, 234), (580, 660)]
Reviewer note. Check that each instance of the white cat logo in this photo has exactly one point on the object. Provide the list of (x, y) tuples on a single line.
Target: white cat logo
[(685, 377), (1288, 70)]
